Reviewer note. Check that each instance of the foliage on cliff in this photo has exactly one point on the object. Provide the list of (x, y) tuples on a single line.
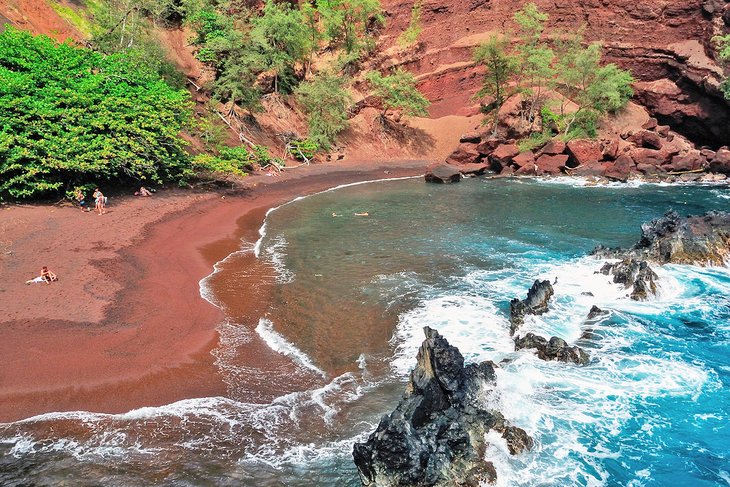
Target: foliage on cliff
[(70, 116), (541, 63), (723, 44)]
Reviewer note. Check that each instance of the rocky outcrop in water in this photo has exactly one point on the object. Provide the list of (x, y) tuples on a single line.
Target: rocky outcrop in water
[(698, 240), (536, 303), (435, 436), (634, 274), (443, 174), (554, 349)]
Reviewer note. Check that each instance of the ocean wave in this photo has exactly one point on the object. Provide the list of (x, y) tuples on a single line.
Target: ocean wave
[(279, 344)]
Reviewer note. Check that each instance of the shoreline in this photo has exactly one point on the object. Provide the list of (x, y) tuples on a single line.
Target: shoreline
[(144, 333)]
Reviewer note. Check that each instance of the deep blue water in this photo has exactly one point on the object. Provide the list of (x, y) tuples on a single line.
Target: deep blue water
[(353, 294)]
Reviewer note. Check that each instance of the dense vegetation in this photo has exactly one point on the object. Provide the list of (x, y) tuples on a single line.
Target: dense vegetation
[(113, 111), (560, 79), (723, 44), (71, 116)]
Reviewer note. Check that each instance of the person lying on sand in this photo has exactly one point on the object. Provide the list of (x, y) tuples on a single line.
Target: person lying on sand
[(143, 192), (46, 276)]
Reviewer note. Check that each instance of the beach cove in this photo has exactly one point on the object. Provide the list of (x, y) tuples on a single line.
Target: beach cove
[(126, 326)]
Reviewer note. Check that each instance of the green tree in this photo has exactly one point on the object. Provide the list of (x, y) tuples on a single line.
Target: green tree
[(398, 91), (70, 116), (347, 21), (411, 34), (325, 100), (122, 26), (500, 66), (283, 39), (535, 71)]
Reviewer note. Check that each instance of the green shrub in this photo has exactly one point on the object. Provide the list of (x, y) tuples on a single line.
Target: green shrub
[(303, 150), (70, 116)]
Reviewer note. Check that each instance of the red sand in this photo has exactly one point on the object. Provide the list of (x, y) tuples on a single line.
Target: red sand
[(125, 326)]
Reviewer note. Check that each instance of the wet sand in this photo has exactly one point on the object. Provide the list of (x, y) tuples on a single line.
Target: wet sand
[(125, 326)]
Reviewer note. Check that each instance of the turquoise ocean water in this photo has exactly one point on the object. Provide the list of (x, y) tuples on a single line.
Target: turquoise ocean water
[(352, 295)]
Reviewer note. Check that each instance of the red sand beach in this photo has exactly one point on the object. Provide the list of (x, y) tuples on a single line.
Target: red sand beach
[(125, 326)]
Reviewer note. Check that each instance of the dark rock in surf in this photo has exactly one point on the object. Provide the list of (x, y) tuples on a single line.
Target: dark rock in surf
[(443, 174), (554, 349), (435, 436), (633, 274), (697, 240), (536, 304), (595, 312)]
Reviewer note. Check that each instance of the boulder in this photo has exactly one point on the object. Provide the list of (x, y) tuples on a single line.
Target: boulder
[(650, 124), (646, 139), (585, 152), (443, 174), (488, 145), (526, 158), (552, 148), (610, 148), (436, 434), (621, 169), (552, 164), (536, 303), (511, 124), (465, 153), (527, 170), (596, 312), (507, 171), (474, 169), (504, 153), (691, 161), (471, 137), (555, 349), (721, 162), (634, 274), (695, 240)]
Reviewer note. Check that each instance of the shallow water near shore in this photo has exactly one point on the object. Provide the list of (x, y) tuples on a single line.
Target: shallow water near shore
[(343, 300)]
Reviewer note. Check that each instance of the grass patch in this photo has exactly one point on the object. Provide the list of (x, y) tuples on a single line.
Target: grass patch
[(75, 17)]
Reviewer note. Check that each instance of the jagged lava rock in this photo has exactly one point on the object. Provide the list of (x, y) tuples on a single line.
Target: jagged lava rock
[(635, 274), (698, 240), (555, 349), (443, 174), (436, 434), (536, 303), (552, 164)]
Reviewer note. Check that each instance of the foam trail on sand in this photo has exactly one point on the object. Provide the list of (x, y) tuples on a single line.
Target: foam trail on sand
[(279, 344)]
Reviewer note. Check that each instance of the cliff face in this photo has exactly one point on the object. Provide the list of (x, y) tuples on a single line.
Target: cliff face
[(665, 43)]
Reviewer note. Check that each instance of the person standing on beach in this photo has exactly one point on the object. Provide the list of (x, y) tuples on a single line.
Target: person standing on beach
[(80, 199), (99, 202)]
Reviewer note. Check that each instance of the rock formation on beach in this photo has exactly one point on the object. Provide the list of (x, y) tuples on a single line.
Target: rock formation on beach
[(672, 239), (635, 274), (536, 303), (436, 434), (554, 349)]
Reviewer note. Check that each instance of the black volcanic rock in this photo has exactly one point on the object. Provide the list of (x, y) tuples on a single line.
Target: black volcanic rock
[(443, 174), (595, 312), (698, 240), (554, 349), (536, 304), (435, 436), (634, 274)]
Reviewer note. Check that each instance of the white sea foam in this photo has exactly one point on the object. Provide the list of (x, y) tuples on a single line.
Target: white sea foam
[(281, 345)]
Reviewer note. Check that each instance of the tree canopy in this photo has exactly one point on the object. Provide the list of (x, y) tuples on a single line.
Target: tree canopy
[(540, 63), (398, 91), (70, 116)]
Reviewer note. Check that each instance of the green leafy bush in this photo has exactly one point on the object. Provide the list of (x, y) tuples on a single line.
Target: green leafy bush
[(325, 100), (230, 160), (70, 116), (303, 150), (398, 91)]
